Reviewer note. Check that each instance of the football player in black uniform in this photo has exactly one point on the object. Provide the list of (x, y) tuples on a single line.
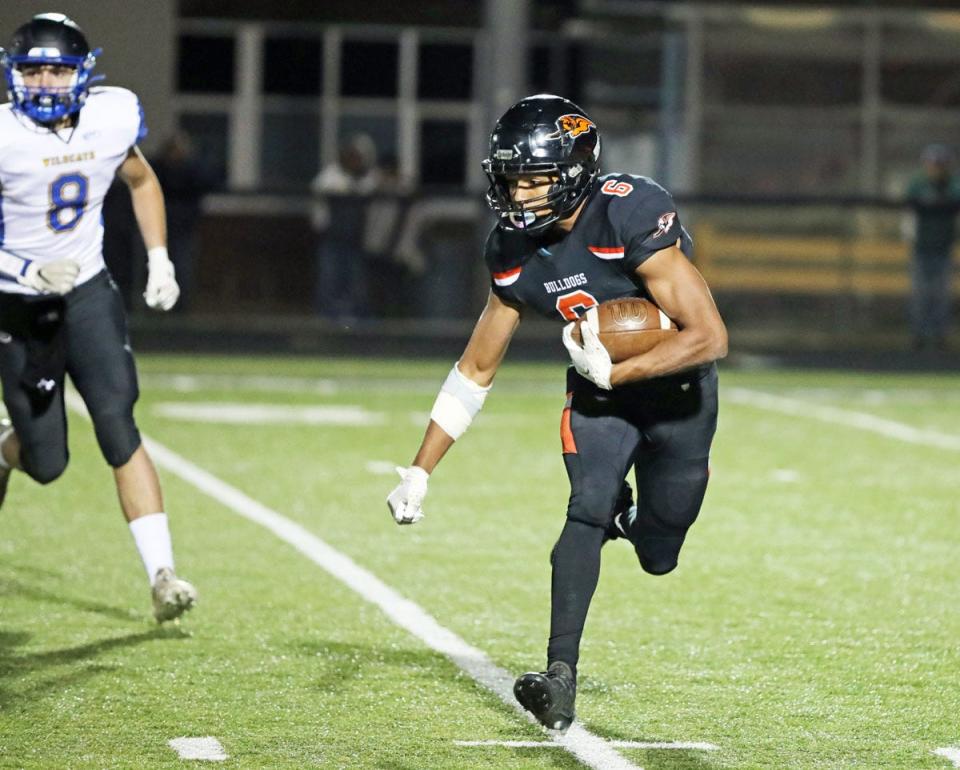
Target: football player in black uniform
[(568, 239)]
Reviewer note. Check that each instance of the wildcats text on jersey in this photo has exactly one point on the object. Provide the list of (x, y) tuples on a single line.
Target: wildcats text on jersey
[(76, 157), (563, 284)]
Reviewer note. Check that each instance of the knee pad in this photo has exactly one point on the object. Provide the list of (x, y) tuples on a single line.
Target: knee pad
[(659, 555), (43, 464), (592, 506), (117, 435)]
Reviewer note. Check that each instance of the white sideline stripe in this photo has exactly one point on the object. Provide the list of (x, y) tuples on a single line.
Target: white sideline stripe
[(233, 413), (584, 745), (208, 748), (836, 416), (686, 745), (951, 753)]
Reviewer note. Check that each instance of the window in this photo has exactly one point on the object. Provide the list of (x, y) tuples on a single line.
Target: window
[(368, 68), (290, 152), (932, 84), (205, 64), (292, 66), (765, 81), (209, 135), (443, 152), (446, 71)]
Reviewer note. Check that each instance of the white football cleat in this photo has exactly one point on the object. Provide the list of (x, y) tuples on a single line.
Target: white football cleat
[(171, 595)]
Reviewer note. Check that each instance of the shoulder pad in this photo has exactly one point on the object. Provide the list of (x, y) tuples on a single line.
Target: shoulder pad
[(124, 109)]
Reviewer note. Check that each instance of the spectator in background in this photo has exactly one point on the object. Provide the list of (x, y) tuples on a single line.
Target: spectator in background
[(341, 192), (389, 279), (934, 197), (185, 180)]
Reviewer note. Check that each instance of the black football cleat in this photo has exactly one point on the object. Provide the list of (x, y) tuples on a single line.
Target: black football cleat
[(5, 430), (549, 695), (624, 512)]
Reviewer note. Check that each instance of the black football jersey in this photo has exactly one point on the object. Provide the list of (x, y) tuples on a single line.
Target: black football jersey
[(626, 219)]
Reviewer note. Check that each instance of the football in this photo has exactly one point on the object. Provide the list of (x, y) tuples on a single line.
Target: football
[(629, 327)]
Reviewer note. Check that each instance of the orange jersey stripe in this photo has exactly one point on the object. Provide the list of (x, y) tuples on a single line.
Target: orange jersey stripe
[(569, 446)]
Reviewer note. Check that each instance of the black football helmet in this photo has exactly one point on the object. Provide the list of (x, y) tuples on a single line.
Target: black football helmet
[(541, 135), (49, 38)]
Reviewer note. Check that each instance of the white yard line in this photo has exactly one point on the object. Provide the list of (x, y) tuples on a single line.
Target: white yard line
[(785, 475), (189, 383), (208, 748), (683, 745), (590, 749), (237, 413), (847, 417), (952, 753), (381, 467)]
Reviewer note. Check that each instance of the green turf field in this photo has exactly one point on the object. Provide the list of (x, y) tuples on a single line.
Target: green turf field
[(813, 622)]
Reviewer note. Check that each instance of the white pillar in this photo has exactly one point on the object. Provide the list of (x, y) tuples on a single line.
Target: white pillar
[(505, 68), (330, 99), (408, 133), (689, 181), (246, 118)]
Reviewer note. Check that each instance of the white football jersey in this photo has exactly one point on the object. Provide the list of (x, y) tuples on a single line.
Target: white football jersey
[(52, 184)]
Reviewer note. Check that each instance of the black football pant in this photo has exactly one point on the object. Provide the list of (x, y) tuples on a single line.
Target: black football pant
[(100, 364), (663, 428)]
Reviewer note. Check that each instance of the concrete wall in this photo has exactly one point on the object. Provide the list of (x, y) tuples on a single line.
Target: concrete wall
[(138, 38)]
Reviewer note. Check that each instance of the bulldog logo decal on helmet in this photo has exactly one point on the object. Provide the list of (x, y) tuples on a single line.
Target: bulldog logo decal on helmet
[(572, 125)]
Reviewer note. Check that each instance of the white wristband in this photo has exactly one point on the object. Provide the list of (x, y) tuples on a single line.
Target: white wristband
[(157, 254), (457, 403)]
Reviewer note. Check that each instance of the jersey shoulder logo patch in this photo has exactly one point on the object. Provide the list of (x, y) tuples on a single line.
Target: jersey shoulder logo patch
[(664, 223)]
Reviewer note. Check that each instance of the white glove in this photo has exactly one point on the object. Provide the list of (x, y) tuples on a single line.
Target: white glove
[(577, 354), (52, 278), (404, 502), (162, 288), (592, 360)]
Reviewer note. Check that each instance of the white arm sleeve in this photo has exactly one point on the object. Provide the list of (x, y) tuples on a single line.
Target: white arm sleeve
[(457, 403)]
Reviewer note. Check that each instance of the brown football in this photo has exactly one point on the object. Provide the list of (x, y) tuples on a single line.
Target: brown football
[(629, 327)]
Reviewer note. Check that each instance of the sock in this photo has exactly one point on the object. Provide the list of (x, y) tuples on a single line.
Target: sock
[(576, 570), (152, 536)]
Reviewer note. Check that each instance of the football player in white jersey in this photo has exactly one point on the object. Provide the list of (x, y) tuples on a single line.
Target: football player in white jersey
[(61, 144)]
